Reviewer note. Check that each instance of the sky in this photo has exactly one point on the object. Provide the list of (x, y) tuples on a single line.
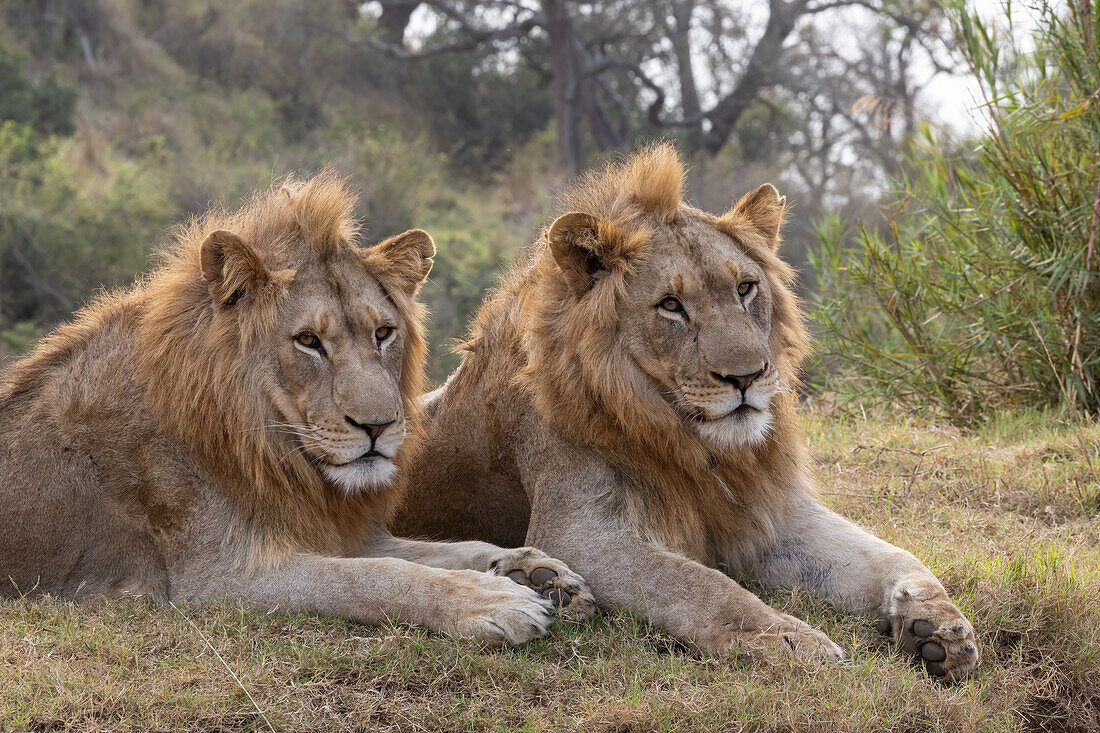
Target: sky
[(955, 101)]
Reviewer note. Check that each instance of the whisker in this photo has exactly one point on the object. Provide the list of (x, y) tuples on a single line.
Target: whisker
[(301, 449)]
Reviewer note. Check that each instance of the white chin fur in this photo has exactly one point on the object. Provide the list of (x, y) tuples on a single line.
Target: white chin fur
[(356, 477), (737, 431)]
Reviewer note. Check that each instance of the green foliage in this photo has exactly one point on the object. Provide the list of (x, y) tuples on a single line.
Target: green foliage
[(67, 228), (983, 287), (18, 338), (763, 132), (474, 246), (46, 106), (274, 47), (396, 176)]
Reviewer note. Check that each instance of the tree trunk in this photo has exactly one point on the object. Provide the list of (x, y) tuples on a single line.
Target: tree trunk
[(758, 73), (395, 18), (566, 76), (679, 37)]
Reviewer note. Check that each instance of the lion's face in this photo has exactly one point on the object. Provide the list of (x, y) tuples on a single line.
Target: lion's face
[(696, 323), (336, 370), (693, 306), (332, 361)]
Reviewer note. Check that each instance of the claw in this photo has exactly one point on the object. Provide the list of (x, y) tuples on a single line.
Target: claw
[(560, 598)]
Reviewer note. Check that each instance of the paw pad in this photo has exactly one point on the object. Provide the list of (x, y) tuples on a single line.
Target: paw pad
[(938, 647), (930, 651), (541, 576), (933, 652), (565, 589), (923, 628)]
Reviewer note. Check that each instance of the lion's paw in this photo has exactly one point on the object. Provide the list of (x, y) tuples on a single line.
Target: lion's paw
[(552, 578), (928, 627), (805, 642), (784, 637), (495, 612)]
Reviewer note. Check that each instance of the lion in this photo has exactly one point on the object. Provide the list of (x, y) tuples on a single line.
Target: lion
[(228, 429), (625, 401)]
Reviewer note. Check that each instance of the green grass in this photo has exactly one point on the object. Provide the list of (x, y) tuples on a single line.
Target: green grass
[(1007, 515)]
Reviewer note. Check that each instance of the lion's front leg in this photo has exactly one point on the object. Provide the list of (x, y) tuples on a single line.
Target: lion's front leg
[(697, 604), (373, 590), (824, 552), (574, 516), (524, 565)]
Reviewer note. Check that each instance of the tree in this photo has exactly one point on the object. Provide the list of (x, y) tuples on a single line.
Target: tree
[(608, 60)]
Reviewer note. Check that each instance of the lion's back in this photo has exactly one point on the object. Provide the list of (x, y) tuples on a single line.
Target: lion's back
[(460, 480)]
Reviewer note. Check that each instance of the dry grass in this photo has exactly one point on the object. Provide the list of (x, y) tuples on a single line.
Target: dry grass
[(1009, 516)]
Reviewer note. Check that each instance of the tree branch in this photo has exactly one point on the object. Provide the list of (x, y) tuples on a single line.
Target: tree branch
[(474, 37)]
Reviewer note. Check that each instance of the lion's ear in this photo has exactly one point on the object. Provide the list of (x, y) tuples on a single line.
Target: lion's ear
[(231, 267), (763, 208), (575, 242), (406, 258)]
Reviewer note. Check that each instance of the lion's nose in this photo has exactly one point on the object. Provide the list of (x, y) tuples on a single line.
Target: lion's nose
[(741, 381), (373, 429)]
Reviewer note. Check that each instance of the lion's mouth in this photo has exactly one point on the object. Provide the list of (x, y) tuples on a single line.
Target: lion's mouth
[(741, 411), (364, 459)]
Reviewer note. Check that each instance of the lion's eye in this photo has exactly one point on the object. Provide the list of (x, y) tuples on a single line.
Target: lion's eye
[(383, 333), (310, 341), (745, 288), (672, 305)]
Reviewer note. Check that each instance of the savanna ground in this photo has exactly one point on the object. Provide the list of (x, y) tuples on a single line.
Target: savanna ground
[(1008, 515)]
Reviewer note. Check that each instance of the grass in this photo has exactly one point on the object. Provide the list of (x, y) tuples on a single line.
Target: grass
[(1007, 515)]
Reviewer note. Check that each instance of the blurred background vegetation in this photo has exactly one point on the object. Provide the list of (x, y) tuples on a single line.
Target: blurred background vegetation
[(981, 292), (950, 262)]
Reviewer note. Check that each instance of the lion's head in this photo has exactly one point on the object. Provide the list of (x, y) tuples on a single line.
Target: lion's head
[(287, 354), (666, 320), (330, 368)]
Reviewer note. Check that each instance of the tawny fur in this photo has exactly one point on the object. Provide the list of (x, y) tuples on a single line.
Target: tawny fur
[(176, 440), (595, 415), (186, 354)]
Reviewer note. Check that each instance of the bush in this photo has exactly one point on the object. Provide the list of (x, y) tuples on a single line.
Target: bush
[(475, 246), (982, 289), (67, 228), (47, 106)]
